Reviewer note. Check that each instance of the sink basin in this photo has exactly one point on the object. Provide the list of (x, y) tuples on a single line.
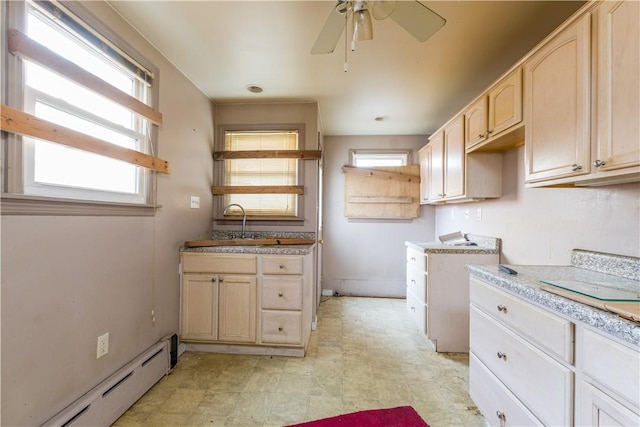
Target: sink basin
[(248, 242)]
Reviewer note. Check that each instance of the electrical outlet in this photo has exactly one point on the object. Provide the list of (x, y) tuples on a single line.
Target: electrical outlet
[(195, 202), (103, 345), (466, 214), (479, 214)]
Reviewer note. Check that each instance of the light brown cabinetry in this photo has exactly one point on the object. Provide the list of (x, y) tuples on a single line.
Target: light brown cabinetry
[(424, 156), (218, 297), (282, 299), (618, 86), (610, 386), (495, 114), (582, 100), (252, 303), (437, 295), (557, 105), (510, 349), (531, 366)]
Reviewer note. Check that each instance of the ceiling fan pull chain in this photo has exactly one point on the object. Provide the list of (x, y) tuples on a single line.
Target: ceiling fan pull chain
[(346, 32)]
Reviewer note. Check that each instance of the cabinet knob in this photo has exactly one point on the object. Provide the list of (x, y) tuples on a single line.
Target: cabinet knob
[(502, 308), (281, 266), (213, 279), (501, 416), (413, 258), (413, 309), (576, 167), (481, 136), (489, 132), (280, 294), (413, 281), (598, 163), (280, 328), (502, 356), (221, 280)]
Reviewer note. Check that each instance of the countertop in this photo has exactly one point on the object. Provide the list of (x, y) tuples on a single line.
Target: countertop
[(527, 284), (484, 245), (267, 249)]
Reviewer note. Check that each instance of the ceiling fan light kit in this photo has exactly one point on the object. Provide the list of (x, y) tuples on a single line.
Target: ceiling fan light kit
[(417, 19)]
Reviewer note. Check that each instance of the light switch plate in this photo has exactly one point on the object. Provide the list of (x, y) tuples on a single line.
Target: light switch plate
[(195, 202)]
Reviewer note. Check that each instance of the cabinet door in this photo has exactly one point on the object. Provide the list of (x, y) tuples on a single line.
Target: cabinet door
[(237, 309), (475, 123), (425, 171), (557, 106), (199, 307), (618, 85), (436, 172), (599, 409), (505, 104), (454, 158)]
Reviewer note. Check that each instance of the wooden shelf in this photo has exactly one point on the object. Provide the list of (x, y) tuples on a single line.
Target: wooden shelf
[(374, 173), (380, 199)]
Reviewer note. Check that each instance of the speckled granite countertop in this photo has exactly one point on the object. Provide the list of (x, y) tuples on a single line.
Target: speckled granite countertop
[(485, 245), (587, 267), (267, 249)]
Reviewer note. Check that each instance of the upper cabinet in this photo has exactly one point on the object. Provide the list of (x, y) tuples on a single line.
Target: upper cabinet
[(557, 105), (455, 176), (494, 121), (424, 156), (582, 100), (618, 86)]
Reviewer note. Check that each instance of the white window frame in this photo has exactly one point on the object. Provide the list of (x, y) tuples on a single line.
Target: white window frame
[(20, 194), (371, 158)]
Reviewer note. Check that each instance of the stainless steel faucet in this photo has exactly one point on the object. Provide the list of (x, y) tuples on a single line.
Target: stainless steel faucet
[(244, 216)]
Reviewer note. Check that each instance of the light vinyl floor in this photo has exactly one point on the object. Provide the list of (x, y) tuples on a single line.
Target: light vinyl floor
[(366, 354)]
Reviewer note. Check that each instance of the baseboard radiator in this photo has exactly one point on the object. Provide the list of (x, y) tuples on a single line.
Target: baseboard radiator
[(106, 402)]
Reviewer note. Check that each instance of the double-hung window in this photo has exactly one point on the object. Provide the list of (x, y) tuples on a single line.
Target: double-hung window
[(262, 172), (53, 170)]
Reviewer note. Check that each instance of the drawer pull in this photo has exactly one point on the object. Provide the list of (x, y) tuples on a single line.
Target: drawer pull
[(280, 294), (502, 356), (502, 308), (280, 328)]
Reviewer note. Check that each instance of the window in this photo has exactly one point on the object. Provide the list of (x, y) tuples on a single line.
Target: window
[(262, 172), (372, 158), (53, 170)]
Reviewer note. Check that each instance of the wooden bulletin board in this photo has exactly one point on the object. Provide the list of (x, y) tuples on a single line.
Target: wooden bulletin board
[(390, 192)]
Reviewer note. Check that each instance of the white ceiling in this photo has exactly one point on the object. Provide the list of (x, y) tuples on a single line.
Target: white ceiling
[(223, 46)]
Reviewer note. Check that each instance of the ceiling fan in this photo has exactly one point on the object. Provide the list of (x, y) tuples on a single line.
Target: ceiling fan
[(417, 19)]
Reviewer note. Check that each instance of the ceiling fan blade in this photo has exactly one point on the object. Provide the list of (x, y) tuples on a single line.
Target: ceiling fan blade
[(382, 9), (419, 21), (330, 33)]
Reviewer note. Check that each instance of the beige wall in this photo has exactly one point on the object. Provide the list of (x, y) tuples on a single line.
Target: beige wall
[(540, 226), (67, 280), (366, 257)]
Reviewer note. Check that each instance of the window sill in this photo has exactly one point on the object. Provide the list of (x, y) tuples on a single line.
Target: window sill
[(18, 204)]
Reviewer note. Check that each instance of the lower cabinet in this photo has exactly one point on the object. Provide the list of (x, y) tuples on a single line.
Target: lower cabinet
[(245, 302), (529, 366)]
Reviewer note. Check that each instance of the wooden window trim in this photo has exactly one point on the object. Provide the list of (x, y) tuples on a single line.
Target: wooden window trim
[(22, 123), (218, 190), (268, 154)]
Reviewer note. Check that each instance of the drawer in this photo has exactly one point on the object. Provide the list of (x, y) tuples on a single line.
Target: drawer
[(281, 327), (417, 258), (541, 383), (417, 282), (219, 263), (279, 264), (538, 325), (417, 311), (494, 400), (614, 365), (282, 293)]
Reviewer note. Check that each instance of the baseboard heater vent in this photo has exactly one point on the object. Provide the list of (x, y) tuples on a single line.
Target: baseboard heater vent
[(106, 402)]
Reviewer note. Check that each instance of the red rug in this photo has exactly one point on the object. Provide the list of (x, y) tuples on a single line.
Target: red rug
[(402, 416)]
